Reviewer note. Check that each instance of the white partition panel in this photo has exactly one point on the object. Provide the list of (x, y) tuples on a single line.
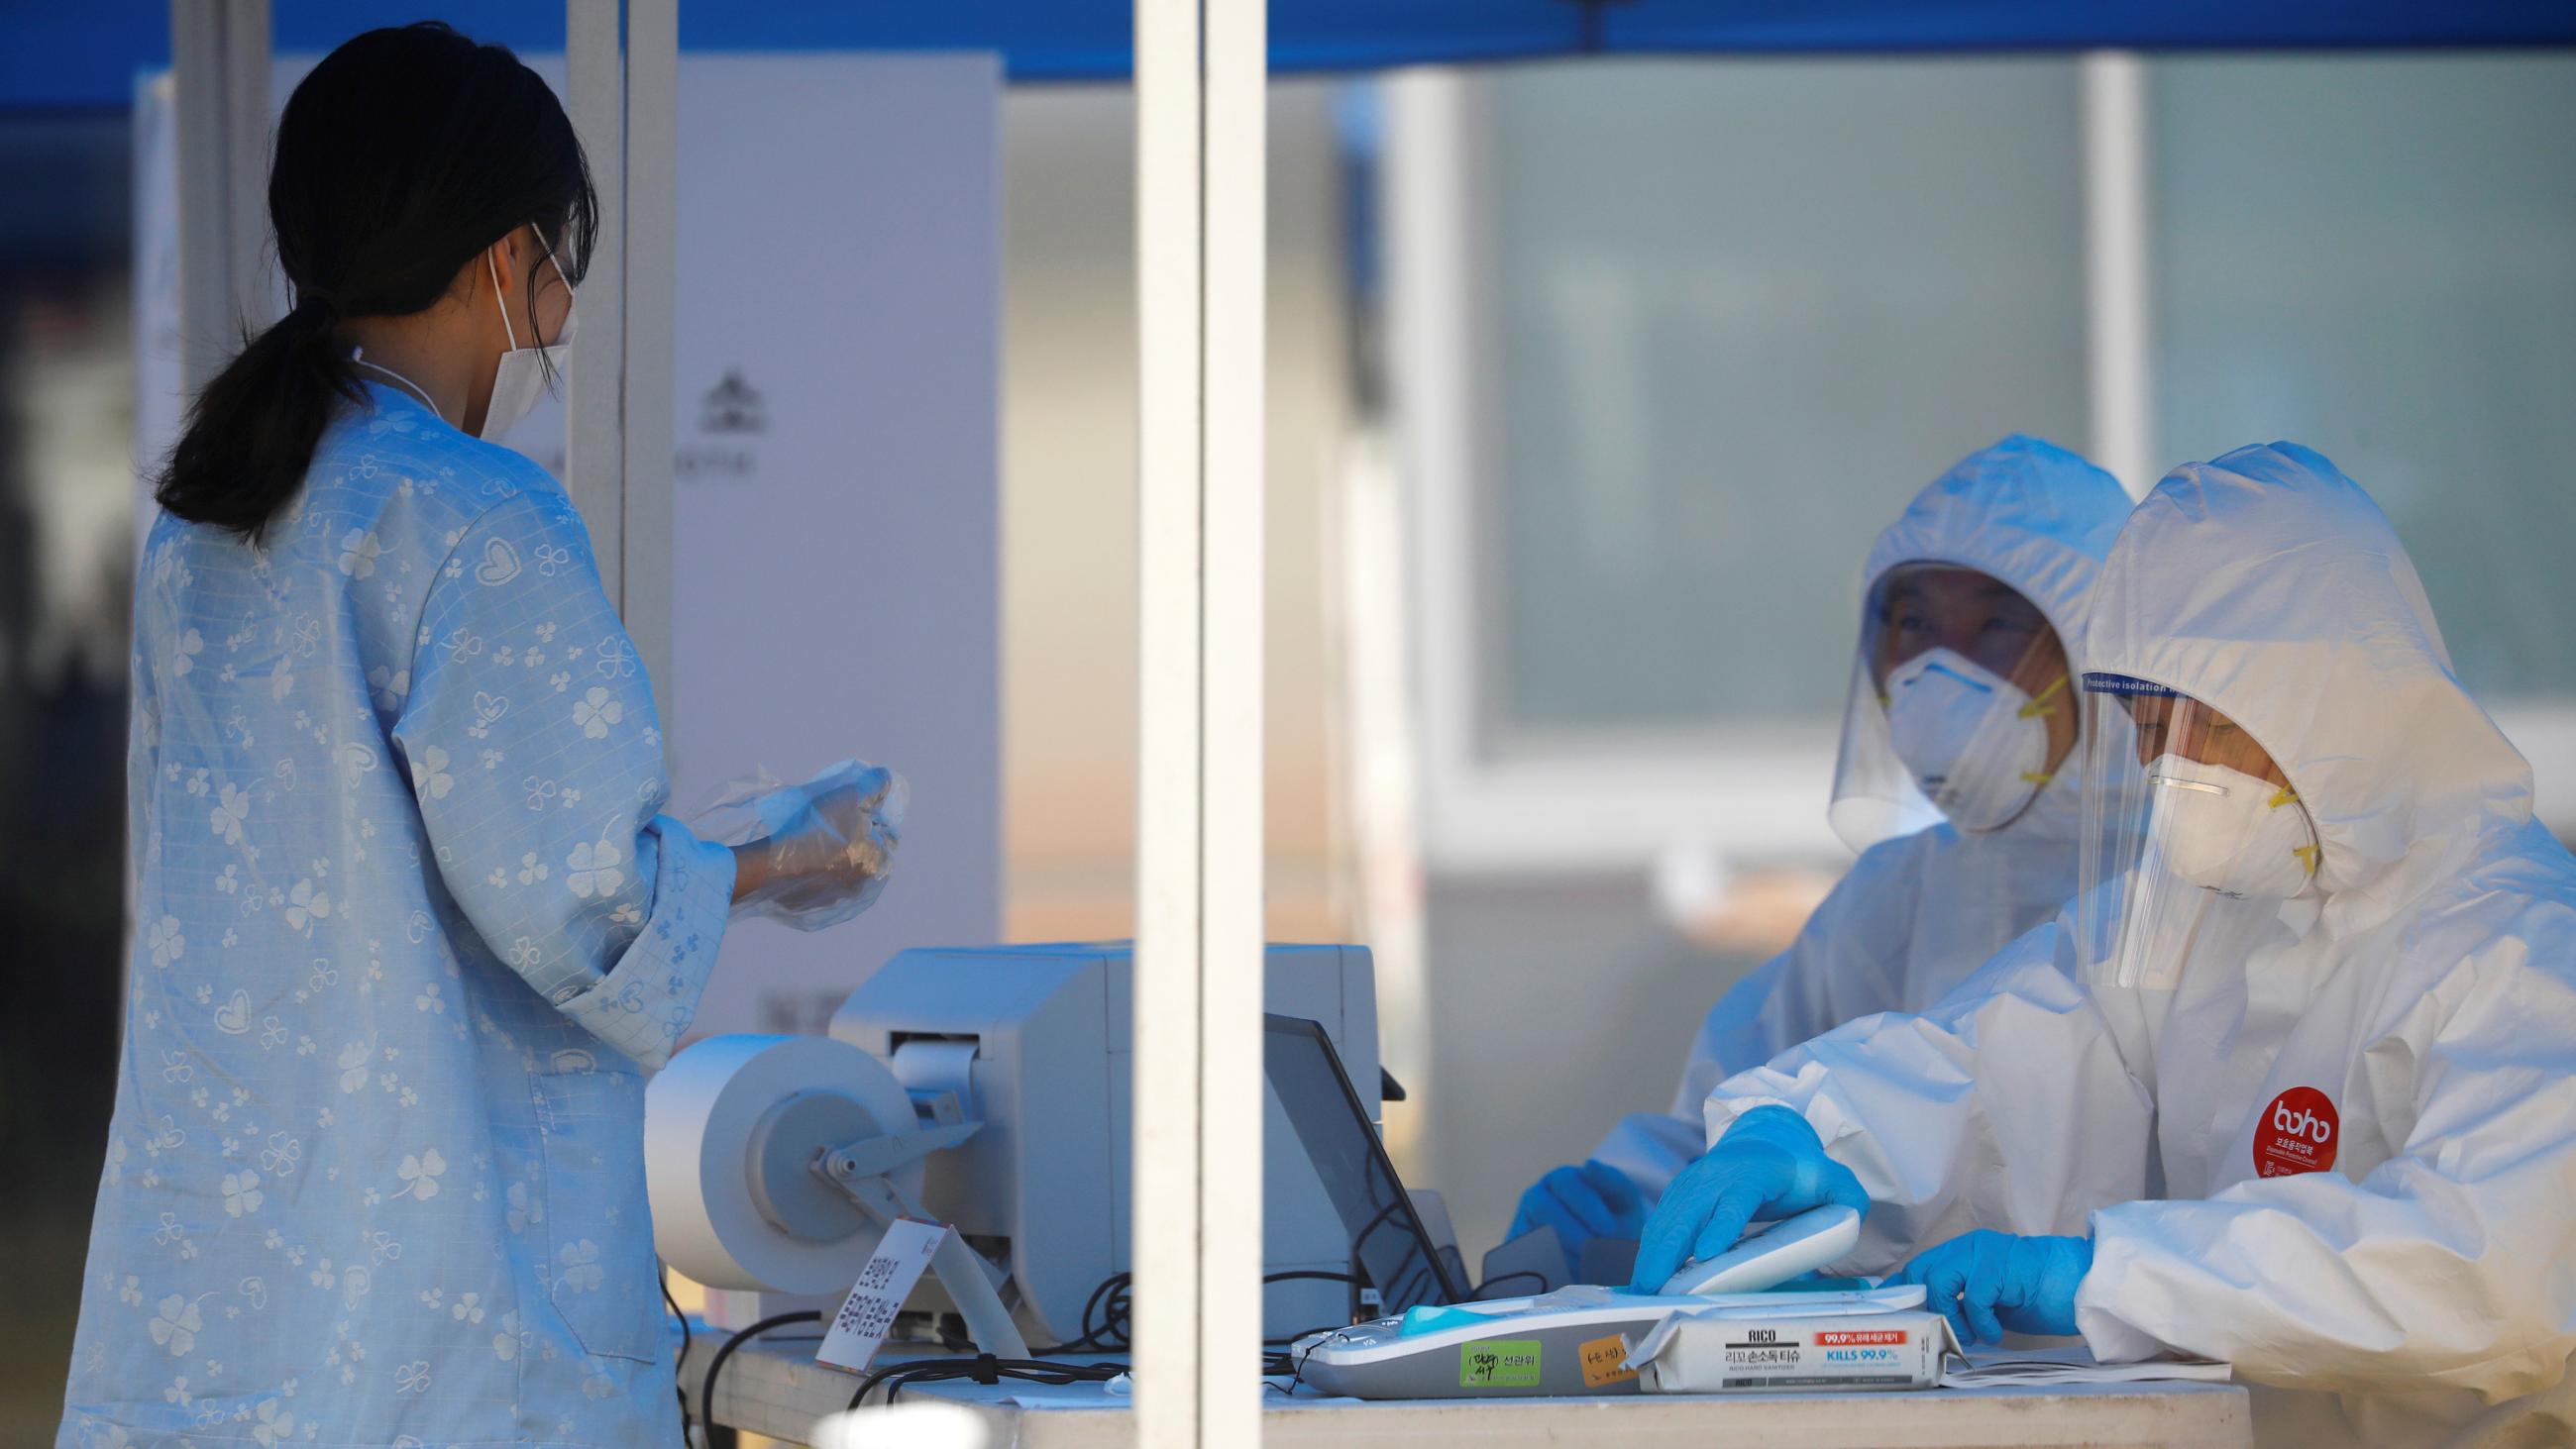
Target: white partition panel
[(834, 554)]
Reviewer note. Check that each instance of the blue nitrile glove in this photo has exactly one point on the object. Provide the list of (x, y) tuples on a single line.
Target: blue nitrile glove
[(1985, 1282), (1595, 1200), (1770, 1164)]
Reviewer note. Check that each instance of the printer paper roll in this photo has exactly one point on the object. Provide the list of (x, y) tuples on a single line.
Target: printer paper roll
[(939, 1066), (698, 1118)]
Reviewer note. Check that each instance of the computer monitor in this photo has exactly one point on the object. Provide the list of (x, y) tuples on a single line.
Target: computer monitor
[(1390, 1247)]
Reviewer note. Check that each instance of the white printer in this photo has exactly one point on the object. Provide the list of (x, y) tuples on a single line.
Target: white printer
[(1033, 1044)]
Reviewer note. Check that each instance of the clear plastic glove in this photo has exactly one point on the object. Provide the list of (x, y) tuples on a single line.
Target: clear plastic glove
[(1986, 1282), (810, 855), (1595, 1200), (1769, 1165)]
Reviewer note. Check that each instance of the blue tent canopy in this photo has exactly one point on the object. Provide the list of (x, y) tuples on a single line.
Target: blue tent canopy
[(83, 54)]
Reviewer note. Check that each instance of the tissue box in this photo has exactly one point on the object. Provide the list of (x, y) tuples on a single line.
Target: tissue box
[(1710, 1353)]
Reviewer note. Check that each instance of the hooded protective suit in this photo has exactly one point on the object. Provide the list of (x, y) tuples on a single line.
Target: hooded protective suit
[(1926, 903), (2341, 1159)]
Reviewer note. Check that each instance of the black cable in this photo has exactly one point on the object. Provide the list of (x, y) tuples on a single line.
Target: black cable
[(1515, 1273), (1108, 1302), (1293, 1275), (1395, 1293), (1111, 1297), (983, 1368), (920, 1373), (1296, 1366), (1090, 1339), (1303, 1333), (1404, 1285), (687, 1341), (1399, 1289), (1384, 1212), (1115, 1319), (715, 1366), (1319, 1274), (1103, 1299), (896, 1381), (868, 1384)]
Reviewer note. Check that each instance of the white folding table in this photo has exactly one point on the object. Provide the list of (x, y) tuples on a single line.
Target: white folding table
[(773, 1387)]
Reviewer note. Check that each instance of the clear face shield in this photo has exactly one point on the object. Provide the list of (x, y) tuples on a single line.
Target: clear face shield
[(2193, 838), (1972, 681)]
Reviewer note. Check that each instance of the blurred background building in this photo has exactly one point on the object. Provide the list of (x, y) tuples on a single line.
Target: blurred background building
[(1590, 385)]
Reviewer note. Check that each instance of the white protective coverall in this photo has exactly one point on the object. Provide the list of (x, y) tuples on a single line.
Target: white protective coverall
[(2417, 1284), (1926, 903)]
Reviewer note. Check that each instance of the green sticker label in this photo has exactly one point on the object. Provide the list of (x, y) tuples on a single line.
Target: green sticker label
[(1498, 1363)]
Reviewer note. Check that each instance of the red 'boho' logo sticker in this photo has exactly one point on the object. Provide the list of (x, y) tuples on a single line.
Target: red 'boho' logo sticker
[(2296, 1134)]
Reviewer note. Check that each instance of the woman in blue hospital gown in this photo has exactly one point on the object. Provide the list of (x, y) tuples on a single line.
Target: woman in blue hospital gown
[(410, 923)]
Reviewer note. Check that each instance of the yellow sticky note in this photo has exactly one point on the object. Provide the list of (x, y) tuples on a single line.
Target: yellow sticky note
[(1603, 1360)]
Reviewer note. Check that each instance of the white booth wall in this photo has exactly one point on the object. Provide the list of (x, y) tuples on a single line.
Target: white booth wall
[(836, 577)]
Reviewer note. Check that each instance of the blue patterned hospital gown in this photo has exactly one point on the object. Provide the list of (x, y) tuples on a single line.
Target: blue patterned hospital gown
[(408, 929)]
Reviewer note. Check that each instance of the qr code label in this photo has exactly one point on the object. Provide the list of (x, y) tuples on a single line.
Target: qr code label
[(868, 1314)]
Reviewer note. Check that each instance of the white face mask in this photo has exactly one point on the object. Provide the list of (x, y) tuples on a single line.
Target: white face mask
[(521, 378), (1978, 745), (2226, 831)]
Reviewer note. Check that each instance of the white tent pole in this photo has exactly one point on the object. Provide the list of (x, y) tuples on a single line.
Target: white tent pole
[(2119, 327), (594, 405), (623, 95), (1166, 1254), (246, 146), (1233, 647), (652, 290), (219, 61), (1200, 173)]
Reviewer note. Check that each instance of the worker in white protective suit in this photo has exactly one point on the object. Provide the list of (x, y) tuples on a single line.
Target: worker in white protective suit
[(1956, 783), (2293, 1082)]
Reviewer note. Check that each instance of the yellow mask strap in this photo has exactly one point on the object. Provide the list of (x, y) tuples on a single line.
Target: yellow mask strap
[(2039, 706), (2307, 854)]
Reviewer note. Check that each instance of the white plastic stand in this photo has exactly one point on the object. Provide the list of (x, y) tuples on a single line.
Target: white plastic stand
[(860, 1169)]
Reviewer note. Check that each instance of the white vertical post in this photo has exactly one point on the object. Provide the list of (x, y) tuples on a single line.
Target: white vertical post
[(595, 405), (1168, 732), (1233, 490), (2119, 330), (651, 280), (1166, 1253), (219, 61), (246, 154), (1200, 173), (624, 101)]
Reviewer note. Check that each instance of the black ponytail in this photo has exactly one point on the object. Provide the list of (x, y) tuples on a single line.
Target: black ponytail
[(405, 154)]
